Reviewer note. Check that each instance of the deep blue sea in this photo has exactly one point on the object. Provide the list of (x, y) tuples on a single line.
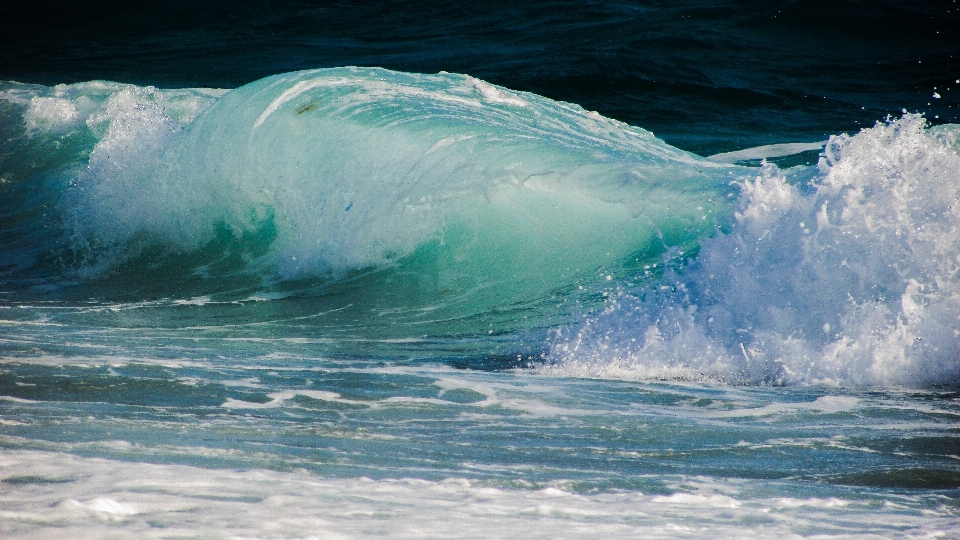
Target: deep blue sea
[(399, 269)]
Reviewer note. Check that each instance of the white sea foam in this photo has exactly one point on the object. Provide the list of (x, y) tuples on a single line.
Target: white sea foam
[(823, 404), (48, 493), (50, 114), (852, 279)]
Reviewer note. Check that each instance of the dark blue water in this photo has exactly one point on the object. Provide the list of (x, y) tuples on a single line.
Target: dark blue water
[(705, 77)]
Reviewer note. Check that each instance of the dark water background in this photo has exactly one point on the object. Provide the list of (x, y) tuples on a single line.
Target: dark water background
[(704, 76)]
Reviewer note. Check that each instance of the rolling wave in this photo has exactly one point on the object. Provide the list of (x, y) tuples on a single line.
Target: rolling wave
[(451, 192)]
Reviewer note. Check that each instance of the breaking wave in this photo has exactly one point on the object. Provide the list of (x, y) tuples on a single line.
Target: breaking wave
[(843, 273)]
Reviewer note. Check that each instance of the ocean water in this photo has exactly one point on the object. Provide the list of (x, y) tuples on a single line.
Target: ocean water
[(595, 270)]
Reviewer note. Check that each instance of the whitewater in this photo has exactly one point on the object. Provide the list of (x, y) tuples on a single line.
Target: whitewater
[(352, 302)]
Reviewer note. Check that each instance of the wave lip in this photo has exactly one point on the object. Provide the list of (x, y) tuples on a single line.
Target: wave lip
[(766, 151)]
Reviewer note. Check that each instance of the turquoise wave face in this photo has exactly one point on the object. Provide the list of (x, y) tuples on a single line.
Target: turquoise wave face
[(411, 197)]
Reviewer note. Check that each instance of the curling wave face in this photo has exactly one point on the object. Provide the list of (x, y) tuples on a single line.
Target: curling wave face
[(457, 195)]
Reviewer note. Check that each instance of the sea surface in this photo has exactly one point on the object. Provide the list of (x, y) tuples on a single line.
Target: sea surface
[(453, 270)]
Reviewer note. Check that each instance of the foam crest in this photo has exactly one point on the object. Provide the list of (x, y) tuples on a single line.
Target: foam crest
[(95, 104), (848, 279), (50, 114)]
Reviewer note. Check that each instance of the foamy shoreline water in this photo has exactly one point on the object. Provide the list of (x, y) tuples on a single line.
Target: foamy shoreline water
[(50, 493)]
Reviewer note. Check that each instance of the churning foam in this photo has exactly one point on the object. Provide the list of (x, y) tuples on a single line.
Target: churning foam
[(851, 278)]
